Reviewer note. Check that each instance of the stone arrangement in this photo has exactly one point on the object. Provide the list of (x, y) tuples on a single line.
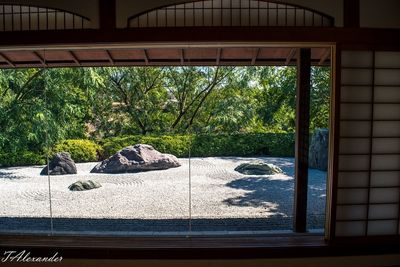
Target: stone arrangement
[(60, 164), (84, 185), (258, 168), (137, 158)]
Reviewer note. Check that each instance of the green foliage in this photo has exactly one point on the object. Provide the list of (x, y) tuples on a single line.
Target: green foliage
[(209, 145), (319, 99), (218, 110), (23, 158), (177, 145), (80, 150)]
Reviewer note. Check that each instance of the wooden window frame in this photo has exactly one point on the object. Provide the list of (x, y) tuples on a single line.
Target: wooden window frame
[(71, 245)]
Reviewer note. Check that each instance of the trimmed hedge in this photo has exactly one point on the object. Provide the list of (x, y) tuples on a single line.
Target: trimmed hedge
[(204, 145), (209, 145), (80, 150), (24, 158)]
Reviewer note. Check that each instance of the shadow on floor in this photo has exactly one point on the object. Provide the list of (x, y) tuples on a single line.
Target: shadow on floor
[(141, 225), (32, 225)]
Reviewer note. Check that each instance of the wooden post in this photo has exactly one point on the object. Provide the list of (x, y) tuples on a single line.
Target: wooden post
[(351, 13), (302, 138), (107, 14)]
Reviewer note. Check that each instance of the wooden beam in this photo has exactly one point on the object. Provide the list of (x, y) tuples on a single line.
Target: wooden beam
[(255, 55), (6, 59), (146, 57), (351, 13), (107, 14), (324, 57), (42, 61), (75, 58), (360, 38), (110, 58), (219, 52), (291, 54), (182, 56), (302, 138)]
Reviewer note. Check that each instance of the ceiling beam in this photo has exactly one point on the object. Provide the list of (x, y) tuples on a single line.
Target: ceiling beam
[(6, 59), (75, 58), (182, 56), (324, 57), (107, 14), (255, 55), (110, 58), (146, 56), (290, 56), (219, 52), (42, 60), (351, 13)]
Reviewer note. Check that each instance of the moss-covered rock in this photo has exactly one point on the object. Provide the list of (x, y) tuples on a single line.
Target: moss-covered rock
[(84, 185), (258, 168)]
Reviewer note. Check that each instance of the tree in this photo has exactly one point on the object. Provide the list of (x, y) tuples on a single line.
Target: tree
[(190, 89)]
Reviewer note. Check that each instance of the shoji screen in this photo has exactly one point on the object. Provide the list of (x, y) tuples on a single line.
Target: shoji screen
[(368, 192)]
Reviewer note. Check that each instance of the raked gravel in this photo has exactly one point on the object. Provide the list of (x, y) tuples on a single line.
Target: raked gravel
[(217, 191)]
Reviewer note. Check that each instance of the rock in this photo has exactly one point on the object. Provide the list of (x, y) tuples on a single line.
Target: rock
[(137, 158), (258, 168), (84, 185), (318, 154), (61, 164)]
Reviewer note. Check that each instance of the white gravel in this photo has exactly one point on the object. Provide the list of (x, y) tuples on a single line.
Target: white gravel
[(217, 192)]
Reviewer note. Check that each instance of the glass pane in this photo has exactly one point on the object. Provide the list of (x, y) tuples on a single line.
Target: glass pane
[(127, 171), (242, 164)]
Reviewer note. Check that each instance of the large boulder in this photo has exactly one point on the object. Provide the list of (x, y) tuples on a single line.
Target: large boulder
[(258, 168), (318, 154), (137, 158), (60, 164), (84, 185)]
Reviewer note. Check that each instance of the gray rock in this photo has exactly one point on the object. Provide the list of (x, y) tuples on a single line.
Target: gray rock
[(137, 158), (61, 164), (258, 168), (318, 154), (84, 185)]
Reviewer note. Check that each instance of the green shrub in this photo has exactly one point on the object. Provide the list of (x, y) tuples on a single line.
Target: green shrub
[(209, 145), (80, 150), (203, 145), (24, 158), (177, 145)]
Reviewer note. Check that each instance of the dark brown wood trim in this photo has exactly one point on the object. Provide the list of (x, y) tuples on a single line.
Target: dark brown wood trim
[(379, 240), (325, 57), (351, 13), (302, 138), (195, 247), (107, 14), (334, 153), (291, 54), (349, 37), (255, 56), (76, 60), (7, 60)]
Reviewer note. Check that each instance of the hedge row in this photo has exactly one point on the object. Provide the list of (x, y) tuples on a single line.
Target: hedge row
[(207, 145), (210, 145)]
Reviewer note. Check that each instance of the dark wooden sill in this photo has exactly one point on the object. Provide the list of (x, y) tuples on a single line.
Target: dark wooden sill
[(223, 247)]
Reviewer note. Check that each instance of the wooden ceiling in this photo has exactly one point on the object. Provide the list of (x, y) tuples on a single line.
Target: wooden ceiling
[(199, 56)]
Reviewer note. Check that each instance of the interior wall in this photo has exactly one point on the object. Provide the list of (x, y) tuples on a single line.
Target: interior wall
[(372, 15), (380, 14), (128, 8)]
